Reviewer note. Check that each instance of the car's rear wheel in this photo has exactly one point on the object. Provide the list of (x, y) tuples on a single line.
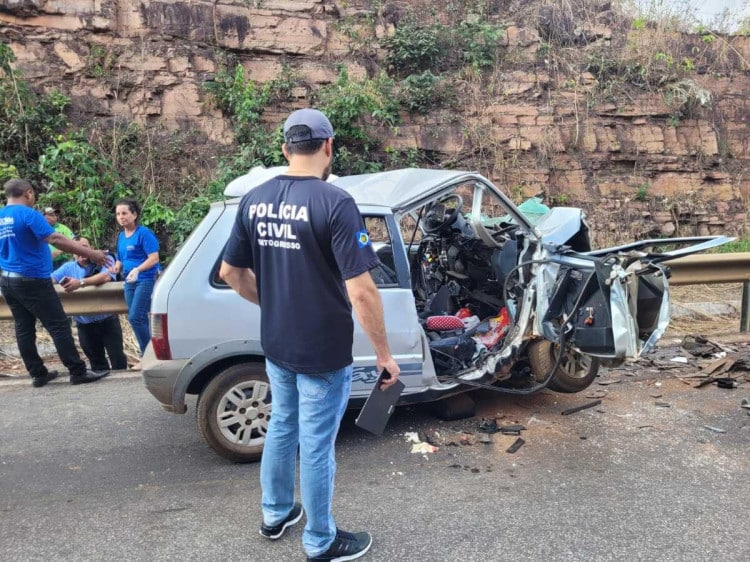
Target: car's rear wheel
[(574, 373), (234, 411)]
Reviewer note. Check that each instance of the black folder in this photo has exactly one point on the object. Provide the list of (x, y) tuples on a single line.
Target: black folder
[(379, 405)]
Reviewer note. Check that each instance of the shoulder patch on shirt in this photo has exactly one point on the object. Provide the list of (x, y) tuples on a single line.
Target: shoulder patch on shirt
[(363, 239)]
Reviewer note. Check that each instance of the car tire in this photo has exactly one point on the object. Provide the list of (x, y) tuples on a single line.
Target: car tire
[(574, 374), (234, 410)]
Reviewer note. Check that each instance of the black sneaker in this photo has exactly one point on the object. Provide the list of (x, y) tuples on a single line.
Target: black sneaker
[(346, 546), (276, 531), (90, 376), (41, 381)]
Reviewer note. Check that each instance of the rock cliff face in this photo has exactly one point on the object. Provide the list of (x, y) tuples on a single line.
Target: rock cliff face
[(630, 163)]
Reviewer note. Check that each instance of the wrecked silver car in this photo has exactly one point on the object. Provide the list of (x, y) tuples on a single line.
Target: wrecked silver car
[(477, 293)]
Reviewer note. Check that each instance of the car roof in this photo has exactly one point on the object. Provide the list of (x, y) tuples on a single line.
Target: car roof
[(395, 189), (398, 189)]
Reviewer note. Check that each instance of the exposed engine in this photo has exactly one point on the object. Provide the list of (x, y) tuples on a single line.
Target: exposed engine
[(458, 284)]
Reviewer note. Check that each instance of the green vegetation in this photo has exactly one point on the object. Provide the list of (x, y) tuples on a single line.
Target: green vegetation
[(739, 245), (421, 92), (27, 120), (420, 58), (641, 192), (84, 171), (79, 179), (417, 47)]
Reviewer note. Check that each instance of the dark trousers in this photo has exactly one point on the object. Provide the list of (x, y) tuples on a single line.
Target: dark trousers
[(31, 299), (97, 337)]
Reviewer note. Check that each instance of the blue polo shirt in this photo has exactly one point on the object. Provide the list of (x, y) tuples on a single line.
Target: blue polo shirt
[(302, 237), (23, 249), (133, 250), (74, 270)]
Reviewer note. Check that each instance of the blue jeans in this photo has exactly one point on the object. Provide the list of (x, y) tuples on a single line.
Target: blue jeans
[(138, 299), (306, 411)]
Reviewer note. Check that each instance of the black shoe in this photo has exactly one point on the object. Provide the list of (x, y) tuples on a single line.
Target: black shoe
[(276, 531), (346, 546), (90, 376), (41, 381)]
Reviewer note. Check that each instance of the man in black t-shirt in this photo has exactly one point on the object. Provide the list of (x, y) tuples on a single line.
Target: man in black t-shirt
[(299, 249)]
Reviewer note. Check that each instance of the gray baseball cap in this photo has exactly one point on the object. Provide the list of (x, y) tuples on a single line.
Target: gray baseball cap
[(318, 125)]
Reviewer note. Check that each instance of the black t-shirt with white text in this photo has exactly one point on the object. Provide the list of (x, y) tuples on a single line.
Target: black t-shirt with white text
[(302, 237)]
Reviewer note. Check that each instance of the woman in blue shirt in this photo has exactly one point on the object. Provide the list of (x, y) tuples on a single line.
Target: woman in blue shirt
[(138, 260)]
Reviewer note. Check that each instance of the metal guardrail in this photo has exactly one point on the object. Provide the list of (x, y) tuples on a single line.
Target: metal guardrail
[(708, 269), (89, 300), (697, 269)]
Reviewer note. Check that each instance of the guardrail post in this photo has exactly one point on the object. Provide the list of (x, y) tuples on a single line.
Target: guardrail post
[(745, 312)]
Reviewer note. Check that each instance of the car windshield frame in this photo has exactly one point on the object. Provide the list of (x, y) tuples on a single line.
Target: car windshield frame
[(482, 190)]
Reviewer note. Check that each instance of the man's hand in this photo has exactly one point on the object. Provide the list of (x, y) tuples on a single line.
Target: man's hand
[(98, 257), (70, 284), (132, 276), (242, 280), (392, 367)]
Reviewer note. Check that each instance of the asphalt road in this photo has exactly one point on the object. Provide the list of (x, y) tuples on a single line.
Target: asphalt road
[(100, 472)]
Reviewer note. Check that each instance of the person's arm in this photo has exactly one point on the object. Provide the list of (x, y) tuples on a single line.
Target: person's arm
[(151, 261), (368, 306), (150, 246), (242, 280), (59, 274), (72, 247), (75, 284)]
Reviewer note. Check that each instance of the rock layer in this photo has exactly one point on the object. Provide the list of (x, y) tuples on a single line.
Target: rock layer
[(146, 61)]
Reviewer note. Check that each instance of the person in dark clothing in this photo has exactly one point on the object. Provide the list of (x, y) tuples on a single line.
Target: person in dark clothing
[(26, 284), (299, 249), (99, 333)]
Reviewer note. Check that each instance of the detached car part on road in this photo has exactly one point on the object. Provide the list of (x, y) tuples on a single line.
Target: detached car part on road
[(475, 295)]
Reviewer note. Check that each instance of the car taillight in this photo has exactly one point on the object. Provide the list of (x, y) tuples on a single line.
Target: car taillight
[(160, 336)]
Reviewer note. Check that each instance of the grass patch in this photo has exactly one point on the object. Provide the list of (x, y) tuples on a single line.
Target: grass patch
[(739, 245)]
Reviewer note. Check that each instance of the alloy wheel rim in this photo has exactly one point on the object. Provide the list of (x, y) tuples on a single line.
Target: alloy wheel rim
[(243, 413)]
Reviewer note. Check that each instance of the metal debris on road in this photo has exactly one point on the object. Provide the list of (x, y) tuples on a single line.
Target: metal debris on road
[(721, 382), (608, 382), (679, 360), (715, 429), (515, 429), (487, 425), (719, 366), (727, 382), (662, 404), (705, 382), (517, 444), (581, 407), (700, 346), (485, 438)]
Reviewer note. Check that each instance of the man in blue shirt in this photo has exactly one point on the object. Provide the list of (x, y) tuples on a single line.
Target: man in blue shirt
[(26, 284), (101, 332), (299, 249)]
